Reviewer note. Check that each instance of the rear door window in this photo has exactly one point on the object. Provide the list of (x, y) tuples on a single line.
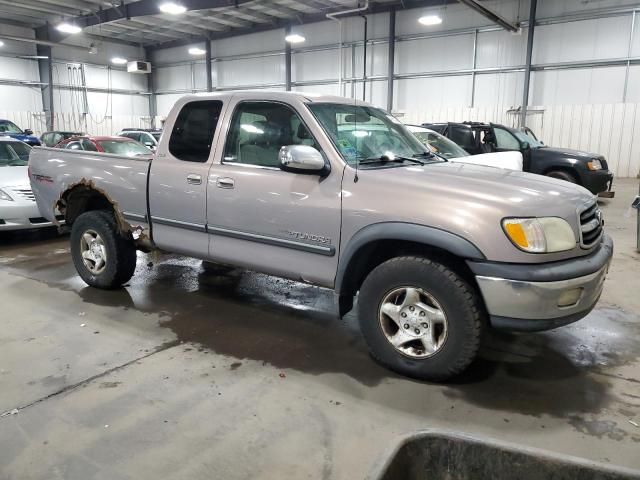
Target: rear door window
[(193, 131), (505, 140)]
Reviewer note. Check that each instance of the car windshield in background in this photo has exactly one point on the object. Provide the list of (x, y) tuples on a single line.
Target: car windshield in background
[(363, 133), (523, 137), (130, 149), (156, 135), (9, 127), (14, 154), (441, 145)]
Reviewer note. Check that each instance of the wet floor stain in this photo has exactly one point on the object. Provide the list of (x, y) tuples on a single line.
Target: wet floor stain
[(288, 325)]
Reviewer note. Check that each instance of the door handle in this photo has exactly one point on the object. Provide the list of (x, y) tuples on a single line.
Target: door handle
[(194, 179), (225, 182)]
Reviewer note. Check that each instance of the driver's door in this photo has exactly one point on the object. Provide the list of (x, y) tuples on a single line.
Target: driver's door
[(261, 217), (507, 142)]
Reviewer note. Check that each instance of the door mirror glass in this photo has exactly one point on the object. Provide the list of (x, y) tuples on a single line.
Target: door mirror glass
[(302, 159), (28, 131), (525, 146)]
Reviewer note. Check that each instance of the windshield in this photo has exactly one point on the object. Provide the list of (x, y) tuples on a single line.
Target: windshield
[(524, 137), (130, 148), (9, 127), (14, 154), (440, 145), (361, 132), (156, 135)]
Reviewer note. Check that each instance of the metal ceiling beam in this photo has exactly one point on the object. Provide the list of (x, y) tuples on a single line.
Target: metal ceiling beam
[(490, 14)]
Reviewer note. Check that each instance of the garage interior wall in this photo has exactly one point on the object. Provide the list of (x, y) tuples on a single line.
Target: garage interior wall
[(585, 86), (585, 83)]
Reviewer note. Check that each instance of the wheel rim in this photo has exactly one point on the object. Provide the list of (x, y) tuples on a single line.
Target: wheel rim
[(93, 252), (413, 322)]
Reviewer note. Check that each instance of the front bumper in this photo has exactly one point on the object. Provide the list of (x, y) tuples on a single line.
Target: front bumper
[(534, 297), (21, 217), (599, 182)]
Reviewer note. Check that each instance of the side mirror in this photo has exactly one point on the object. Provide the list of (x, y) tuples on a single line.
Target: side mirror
[(149, 144), (302, 159), (525, 146), (28, 131)]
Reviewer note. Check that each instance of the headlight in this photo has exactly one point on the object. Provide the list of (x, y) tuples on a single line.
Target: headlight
[(540, 235), (594, 165), (5, 196)]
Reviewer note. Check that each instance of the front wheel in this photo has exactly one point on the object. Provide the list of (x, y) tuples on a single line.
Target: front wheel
[(420, 318), (103, 257), (562, 175)]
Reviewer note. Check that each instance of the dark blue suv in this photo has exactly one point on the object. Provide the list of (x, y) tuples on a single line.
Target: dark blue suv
[(10, 129)]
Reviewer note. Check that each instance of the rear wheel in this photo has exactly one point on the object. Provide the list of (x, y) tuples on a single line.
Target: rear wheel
[(420, 318), (102, 256), (562, 175)]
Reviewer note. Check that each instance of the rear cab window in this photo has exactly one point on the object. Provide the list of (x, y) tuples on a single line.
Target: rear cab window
[(194, 129)]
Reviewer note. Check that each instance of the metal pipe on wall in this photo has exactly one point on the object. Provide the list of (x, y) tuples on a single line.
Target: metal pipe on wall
[(629, 51), (391, 58), (287, 61), (364, 60), (527, 70), (207, 64)]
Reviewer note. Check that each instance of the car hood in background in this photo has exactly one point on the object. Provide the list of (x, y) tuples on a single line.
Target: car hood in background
[(14, 176), (31, 139), (566, 152), (508, 160)]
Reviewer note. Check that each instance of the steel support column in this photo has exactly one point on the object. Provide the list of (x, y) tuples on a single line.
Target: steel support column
[(45, 69), (151, 88), (475, 65), (207, 64), (287, 61), (527, 70), (629, 52), (391, 58)]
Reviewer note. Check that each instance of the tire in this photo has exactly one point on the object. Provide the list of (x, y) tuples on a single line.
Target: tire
[(440, 290), (562, 175), (118, 253)]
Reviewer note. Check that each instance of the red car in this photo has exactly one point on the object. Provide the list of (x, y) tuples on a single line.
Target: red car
[(116, 145)]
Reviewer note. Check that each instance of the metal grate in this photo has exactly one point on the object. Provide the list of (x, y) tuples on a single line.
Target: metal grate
[(25, 193), (590, 226)]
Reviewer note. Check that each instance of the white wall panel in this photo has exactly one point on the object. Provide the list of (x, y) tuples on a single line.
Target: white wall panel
[(501, 49), (20, 98), (584, 85), (252, 43), (584, 40), (101, 77), (633, 86), (18, 69), (554, 8), (319, 65), (434, 54), (173, 78), (266, 70), (17, 48), (424, 93), (165, 103), (499, 89)]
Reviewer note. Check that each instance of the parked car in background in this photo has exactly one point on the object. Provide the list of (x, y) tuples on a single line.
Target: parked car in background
[(114, 145), (50, 139), (589, 170), (149, 138), (442, 146), (339, 194), (18, 208), (10, 129)]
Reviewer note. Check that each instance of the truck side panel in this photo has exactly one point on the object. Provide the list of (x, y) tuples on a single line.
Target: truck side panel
[(123, 180)]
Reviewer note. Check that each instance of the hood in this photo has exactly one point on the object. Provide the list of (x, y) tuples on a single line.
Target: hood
[(567, 152), (14, 176), (513, 192), (23, 137)]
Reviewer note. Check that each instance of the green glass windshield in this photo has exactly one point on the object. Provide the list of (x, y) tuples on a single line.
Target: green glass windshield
[(14, 154), (361, 132), (524, 137), (9, 127), (124, 148), (441, 145)]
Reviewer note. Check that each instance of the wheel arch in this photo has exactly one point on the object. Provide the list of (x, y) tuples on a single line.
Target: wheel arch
[(379, 242), (84, 196)]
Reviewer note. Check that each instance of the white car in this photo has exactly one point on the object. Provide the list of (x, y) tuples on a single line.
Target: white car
[(149, 138), (18, 209), (444, 147)]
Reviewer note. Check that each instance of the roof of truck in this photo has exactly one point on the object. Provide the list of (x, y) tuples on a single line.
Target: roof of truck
[(307, 97)]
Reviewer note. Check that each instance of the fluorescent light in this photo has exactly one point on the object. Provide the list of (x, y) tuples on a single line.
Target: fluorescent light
[(68, 28), (118, 60), (1, 43), (294, 38), (172, 8), (430, 20), (197, 51)]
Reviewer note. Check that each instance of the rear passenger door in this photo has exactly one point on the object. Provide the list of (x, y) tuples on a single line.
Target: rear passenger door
[(178, 179)]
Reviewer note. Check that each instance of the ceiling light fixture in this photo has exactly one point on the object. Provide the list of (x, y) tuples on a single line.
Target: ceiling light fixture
[(1, 43), (66, 27), (197, 51), (430, 20), (118, 60), (294, 38), (172, 8)]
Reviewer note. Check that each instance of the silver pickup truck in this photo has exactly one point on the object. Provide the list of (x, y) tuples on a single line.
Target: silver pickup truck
[(337, 193)]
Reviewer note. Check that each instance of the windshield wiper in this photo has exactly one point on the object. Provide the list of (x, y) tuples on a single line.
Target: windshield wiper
[(388, 159)]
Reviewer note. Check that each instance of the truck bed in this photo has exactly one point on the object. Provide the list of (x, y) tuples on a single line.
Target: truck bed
[(122, 179)]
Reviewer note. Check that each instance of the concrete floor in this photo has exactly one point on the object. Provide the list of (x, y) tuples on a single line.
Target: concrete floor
[(183, 374)]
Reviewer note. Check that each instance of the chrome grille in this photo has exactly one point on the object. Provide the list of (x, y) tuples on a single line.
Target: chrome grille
[(590, 226), (25, 193)]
